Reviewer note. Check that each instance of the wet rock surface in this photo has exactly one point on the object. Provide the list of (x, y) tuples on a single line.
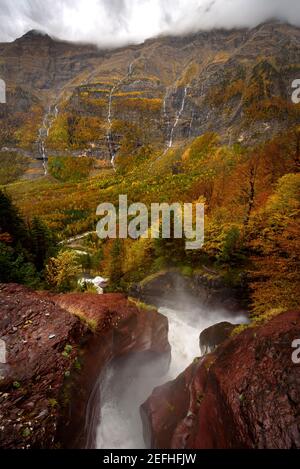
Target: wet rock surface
[(215, 335), (244, 395), (34, 331), (173, 290), (123, 328), (50, 359)]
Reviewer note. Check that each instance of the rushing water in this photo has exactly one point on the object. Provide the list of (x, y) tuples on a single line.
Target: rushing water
[(49, 118), (178, 116), (129, 382), (176, 122), (109, 136), (109, 128), (191, 124)]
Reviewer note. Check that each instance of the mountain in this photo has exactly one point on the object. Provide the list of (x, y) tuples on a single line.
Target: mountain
[(168, 90), (203, 119)]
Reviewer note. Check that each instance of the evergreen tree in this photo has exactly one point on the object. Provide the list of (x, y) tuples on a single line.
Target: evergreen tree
[(22, 250), (42, 243), (12, 223), (115, 270)]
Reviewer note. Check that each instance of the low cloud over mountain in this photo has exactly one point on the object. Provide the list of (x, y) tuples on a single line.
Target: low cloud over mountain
[(118, 22)]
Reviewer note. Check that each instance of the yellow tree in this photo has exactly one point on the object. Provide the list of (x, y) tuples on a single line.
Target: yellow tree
[(62, 271)]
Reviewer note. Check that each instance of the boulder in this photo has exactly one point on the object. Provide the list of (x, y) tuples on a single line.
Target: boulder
[(171, 289), (53, 350), (215, 335), (244, 395), (34, 333)]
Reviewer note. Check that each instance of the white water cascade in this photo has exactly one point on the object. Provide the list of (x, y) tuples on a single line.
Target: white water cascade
[(130, 382), (165, 114), (191, 124), (109, 127), (49, 118), (109, 138), (178, 116)]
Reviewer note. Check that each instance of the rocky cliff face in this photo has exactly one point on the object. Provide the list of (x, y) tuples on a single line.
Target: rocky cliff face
[(244, 395), (165, 91), (41, 63), (50, 360), (171, 289), (34, 333)]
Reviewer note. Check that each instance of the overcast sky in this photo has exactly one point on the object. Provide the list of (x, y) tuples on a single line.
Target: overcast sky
[(117, 22)]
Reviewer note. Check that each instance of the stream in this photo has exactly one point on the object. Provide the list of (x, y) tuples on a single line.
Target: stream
[(178, 117), (49, 118), (109, 135), (129, 382)]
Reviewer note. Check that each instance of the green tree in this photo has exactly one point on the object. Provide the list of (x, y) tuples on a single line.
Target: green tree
[(115, 269), (42, 243), (14, 267), (231, 249), (11, 222)]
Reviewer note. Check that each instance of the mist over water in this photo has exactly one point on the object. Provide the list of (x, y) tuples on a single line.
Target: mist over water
[(129, 382)]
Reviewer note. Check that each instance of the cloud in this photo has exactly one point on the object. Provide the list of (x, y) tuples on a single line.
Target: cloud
[(117, 22)]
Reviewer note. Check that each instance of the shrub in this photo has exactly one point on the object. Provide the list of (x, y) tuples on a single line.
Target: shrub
[(67, 168)]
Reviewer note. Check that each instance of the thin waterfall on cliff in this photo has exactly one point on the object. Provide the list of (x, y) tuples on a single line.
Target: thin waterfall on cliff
[(109, 136), (191, 124), (49, 118), (178, 116), (166, 97), (109, 128)]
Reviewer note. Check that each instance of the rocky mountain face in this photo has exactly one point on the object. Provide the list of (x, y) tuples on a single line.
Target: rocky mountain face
[(38, 62), (161, 93), (243, 395)]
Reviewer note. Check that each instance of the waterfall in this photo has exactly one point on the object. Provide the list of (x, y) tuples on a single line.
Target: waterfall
[(165, 114), (109, 137), (55, 111), (49, 118), (128, 383), (130, 67), (191, 124), (178, 116)]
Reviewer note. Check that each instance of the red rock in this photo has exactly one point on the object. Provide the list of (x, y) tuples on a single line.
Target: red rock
[(35, 395), (35, 368), (122, 328), (245, 395)]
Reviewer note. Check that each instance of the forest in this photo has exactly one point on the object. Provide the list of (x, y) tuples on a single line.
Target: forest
[(251, 198)]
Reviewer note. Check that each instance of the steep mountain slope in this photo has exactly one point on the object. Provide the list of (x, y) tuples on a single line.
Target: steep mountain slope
[(167, 90)]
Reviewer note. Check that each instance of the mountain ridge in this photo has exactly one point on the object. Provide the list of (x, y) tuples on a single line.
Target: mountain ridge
[(237, 83)]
